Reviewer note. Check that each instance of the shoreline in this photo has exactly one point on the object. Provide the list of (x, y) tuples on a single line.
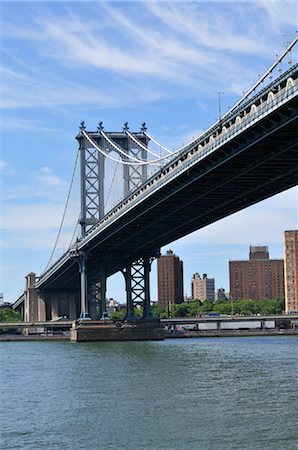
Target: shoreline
[(229, 333), (168, 335)]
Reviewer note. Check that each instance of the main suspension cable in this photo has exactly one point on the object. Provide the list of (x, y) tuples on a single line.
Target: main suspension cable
[(64, 212), (140, 144), (126, 163), (157, 143), (119, 149), (74, 234)]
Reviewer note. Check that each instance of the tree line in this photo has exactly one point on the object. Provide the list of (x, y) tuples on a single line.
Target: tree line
[(197, 307), (188, 309), (238, 307)]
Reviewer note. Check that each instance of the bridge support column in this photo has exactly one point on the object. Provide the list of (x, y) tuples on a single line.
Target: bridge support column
[(34, 305), (41, 308), (103, 293), (129, 302), (137, 280), (54, 307), (72, 311), (147, 315), (96, 289), (83, 291)]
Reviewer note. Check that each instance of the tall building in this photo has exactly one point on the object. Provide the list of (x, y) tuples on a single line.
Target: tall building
[(202, 288), (221, 294), (257, 278), (170, 279), (291, 270)]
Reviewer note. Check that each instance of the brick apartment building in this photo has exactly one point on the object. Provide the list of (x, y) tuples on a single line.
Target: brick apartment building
[(257, 278), (170, 279), (291, 270)]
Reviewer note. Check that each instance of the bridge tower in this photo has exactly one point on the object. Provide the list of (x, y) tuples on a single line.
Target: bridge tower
[(130, 148), (94, 148)]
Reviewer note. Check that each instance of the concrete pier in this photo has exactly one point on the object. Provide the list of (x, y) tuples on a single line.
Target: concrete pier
[(139, 330)]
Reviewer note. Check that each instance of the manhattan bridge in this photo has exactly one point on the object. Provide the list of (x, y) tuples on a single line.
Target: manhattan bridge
[(249, 154)]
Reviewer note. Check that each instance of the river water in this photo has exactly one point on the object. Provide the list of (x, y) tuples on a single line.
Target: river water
[(217, 393)]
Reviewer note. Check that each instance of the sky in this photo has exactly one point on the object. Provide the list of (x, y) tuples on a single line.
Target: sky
[(159, 62)]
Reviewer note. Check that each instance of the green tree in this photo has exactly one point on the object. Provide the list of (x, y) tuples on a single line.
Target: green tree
[(9, 315), (264, 307), (273, 306), (207, 306), (247, 307), (117, 315), (223, 307), (158, 312)]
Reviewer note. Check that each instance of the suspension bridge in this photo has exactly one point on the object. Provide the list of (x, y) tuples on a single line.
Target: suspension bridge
[(248, 155)]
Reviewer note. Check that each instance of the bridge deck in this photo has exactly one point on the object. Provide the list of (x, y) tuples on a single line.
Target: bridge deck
[(250, 163)]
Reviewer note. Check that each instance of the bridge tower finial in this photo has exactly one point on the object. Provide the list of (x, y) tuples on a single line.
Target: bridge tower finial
[(143, 127), (125, 127), (100, 126), (82, 125)]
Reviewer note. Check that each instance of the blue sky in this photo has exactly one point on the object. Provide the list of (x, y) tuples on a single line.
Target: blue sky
[(159, 62)]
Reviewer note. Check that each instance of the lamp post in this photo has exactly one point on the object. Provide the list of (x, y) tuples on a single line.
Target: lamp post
[(219, 109)]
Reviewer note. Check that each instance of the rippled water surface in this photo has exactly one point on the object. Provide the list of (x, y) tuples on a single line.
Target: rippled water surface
[(218, 393)]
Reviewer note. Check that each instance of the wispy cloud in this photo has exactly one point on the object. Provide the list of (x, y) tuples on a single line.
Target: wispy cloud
[(3, 165), (176, 43), (37, 184), (24, 124), (46, 176), (29, 92), (213, 31), (281, 13), (39, 216)]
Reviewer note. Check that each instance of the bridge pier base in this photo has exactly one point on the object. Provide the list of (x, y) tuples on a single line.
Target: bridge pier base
[(139, 330)]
